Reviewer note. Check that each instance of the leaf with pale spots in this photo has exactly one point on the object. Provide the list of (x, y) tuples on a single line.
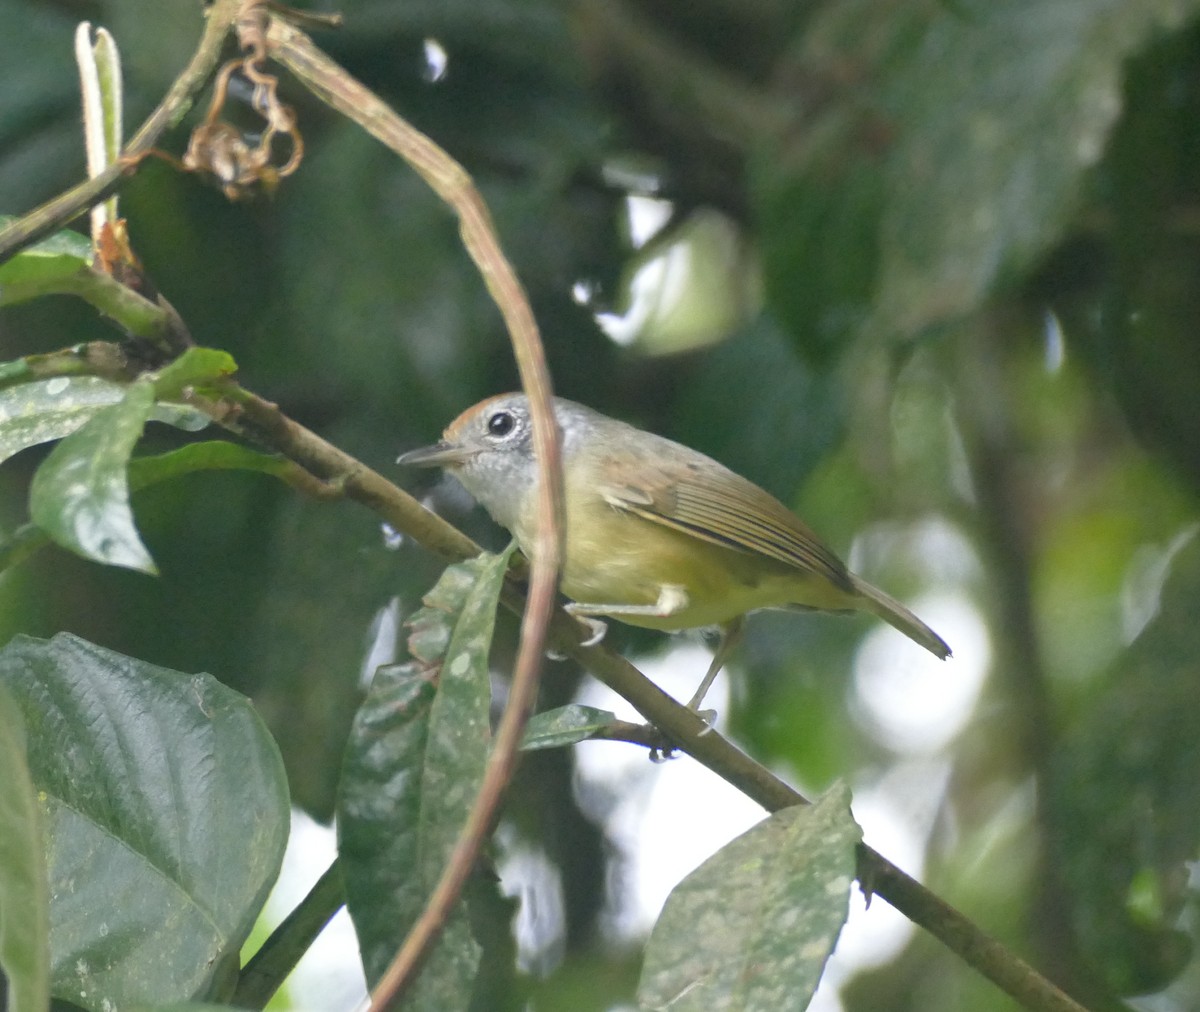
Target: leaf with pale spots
[(80, 494), (39, 411), (165, 814), (44, 410), (414, 761), (752, 927), (565, 725)]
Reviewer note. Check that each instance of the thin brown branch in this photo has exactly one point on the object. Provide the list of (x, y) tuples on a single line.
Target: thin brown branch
[(962, 937), (295, 51), (262, 420), (52, 215)]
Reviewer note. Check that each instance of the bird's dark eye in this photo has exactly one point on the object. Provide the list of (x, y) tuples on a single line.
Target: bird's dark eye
[(501, 423)]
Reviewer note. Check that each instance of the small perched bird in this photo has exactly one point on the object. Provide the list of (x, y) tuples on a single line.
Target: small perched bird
[(657, 534)]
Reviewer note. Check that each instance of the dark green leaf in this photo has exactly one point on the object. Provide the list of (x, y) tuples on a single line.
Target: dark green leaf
[(326, 567), (194, 367), (381, 790), (820, 249), (47, 262), (565, 725), (213, 455), (796, 417), (413, 763), (80, 494), (752, 927), (165, 811), (24, 900)]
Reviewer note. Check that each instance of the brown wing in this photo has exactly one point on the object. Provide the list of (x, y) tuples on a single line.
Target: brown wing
[(728, 510)]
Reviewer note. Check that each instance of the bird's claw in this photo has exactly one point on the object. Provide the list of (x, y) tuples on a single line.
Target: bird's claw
[(596, 630)]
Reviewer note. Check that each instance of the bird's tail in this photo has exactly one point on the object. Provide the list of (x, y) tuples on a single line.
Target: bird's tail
[(896, 615)]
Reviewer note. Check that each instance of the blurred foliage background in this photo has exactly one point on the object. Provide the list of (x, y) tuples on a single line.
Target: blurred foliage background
[(930, 272)]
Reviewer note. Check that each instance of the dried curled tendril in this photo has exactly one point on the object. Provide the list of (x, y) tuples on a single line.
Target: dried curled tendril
[(223, 151), (241, 163)]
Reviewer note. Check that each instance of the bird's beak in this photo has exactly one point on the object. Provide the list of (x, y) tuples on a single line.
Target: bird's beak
[(441, 454)]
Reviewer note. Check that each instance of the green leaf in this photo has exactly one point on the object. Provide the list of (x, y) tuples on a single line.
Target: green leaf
[(24, 898), (80, 494), (565, 725), (166, 814), (950, 159), (752, 927), (46, 263), (44, 410), (413, 763), (212, 455), (215, 455), (195, 367)]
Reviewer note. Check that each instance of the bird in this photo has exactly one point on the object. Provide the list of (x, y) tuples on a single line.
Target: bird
[(658, 534)]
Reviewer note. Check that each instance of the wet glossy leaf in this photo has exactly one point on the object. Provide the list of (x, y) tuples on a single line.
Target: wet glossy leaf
[(44, 410), (165, 812), (80, 494)]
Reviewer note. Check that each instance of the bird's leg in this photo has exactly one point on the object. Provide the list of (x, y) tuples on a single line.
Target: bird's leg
[(671, 600), (731, 635)]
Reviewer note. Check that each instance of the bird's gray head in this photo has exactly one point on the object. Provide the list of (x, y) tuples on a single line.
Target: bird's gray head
[(489, 448)]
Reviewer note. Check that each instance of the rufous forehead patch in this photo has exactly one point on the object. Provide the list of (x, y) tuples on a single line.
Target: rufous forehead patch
[(456, 427)]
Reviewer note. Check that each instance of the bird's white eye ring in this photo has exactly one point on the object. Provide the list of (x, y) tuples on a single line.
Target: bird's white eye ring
[(501, 423)]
